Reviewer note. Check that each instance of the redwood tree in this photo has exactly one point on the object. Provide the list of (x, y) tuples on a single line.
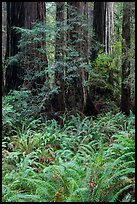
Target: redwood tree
[(4, 39), (109, 26), (102, 27), (15, 17), (76, 96), (19, 14), (74, 93), (125, 89), (59, 104)]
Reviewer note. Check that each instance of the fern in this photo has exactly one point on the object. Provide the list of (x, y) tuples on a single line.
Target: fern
[(72, 164)]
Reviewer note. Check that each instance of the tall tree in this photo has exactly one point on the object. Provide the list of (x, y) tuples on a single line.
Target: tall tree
[(19, 14), (77, 98), (109, 26), (103, 27), (15, 16), (59, 104), (4, 39), (73, 83), (125, 88), (74, 94), (35, 50), (4, 11), (83, 35)]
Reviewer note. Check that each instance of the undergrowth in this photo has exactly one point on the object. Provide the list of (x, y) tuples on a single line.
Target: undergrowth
[(89, 160)]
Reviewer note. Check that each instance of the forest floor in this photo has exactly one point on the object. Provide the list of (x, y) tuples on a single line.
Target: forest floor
[(42, 162)]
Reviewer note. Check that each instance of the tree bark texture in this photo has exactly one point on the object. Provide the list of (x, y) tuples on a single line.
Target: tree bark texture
[(109, 26), (38, 15), (84, 47), (74, 93), (125, 89), (15, 15), (34, 11), (102, 27), (19, 14), (4, 29), (59, 57), (4, 41)]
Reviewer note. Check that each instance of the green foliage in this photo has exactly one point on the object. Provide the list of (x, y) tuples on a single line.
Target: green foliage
[(81, 161), (15, 110), (35, 46), (118, 56), (104, 76), (89, 160)]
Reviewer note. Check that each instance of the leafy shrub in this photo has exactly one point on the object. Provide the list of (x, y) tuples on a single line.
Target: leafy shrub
[(104, 74), (15, 110)]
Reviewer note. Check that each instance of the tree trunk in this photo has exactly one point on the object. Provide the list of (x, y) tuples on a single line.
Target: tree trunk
[(38, 15), (59, 57), (102, 28), (19, 14), (98, 27), (109, 26), (125, 89), (77, 98), (15, 16), (90, 31), (84, 47), (74, 93), (4, 39), (4, 25)]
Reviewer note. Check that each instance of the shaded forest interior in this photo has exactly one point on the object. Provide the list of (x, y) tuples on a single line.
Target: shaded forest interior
[(69, 60), (68, 101)]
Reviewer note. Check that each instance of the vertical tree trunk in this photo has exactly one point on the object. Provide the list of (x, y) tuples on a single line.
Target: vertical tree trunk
[(15, 16), (109, 26), (59, 105), (89, 107), (74, 93), (77, 98), (19, 14), (84, 54), (90, 30), (103, 27), (4, 39), (98, 27), (38, 15), (84, 31), (125, 89), (4, 24)]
